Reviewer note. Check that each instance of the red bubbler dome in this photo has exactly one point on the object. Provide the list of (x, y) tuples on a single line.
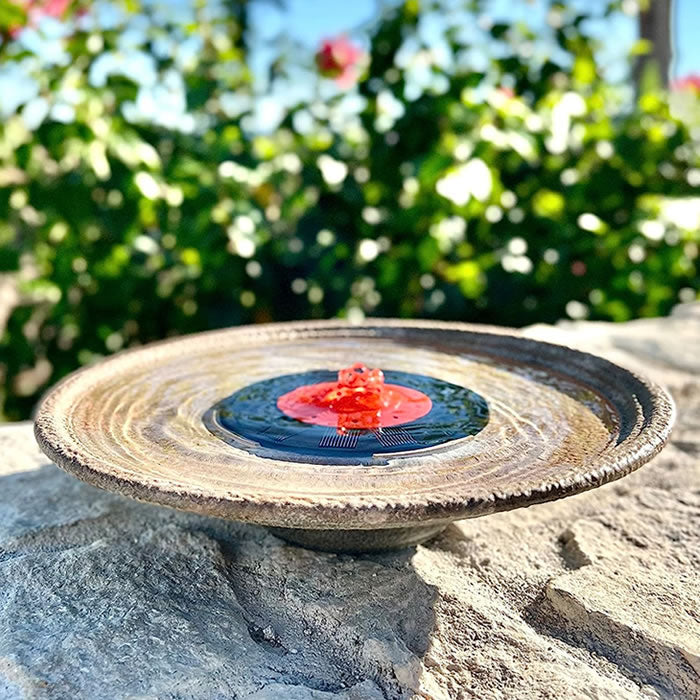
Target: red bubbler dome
[(359, 399)]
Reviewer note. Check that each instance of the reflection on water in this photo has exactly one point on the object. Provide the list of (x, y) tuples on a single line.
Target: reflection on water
[(250, 419)]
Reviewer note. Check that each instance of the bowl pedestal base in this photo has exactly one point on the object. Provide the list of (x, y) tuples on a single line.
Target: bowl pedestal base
[(358, 541)]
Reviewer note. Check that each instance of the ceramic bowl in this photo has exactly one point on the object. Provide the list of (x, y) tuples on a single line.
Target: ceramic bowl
[(559, 422)]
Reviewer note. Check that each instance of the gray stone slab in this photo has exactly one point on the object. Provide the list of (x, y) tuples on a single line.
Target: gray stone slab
[(595, 596)]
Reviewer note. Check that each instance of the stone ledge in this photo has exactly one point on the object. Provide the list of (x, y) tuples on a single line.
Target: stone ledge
[(593, 596)]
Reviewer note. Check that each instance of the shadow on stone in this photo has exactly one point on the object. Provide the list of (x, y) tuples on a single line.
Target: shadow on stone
[(102, 593)]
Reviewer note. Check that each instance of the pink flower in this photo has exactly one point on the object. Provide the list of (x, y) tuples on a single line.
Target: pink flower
[(339, 59), (36, 9), (689, 83)]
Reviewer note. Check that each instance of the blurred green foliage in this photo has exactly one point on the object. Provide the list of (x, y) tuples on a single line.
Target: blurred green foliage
[(529, 190)]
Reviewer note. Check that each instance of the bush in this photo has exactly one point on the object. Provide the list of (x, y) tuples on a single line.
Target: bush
[(527, 190)]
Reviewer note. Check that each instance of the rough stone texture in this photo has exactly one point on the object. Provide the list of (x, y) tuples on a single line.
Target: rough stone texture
[(595, 596)]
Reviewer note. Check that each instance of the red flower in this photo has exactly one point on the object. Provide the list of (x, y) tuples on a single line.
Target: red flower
[(36, 9), (339, 59), (578, 268), (690, 83)]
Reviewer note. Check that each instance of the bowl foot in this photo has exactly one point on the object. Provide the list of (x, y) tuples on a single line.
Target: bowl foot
[(358, 541)]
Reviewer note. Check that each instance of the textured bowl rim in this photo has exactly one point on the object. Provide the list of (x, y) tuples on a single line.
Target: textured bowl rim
[(655, 416)]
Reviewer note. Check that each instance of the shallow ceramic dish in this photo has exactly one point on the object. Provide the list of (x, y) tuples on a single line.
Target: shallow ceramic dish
[(559, 422)]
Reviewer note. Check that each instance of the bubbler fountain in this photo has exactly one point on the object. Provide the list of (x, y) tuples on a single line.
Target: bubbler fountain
[(356, 418), (359, 399), (286, 425)]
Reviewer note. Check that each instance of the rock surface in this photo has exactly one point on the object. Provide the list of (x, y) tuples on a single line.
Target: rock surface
[(595, 596)]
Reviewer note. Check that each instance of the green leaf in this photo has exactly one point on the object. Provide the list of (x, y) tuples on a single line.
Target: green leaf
[(12, 15)]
